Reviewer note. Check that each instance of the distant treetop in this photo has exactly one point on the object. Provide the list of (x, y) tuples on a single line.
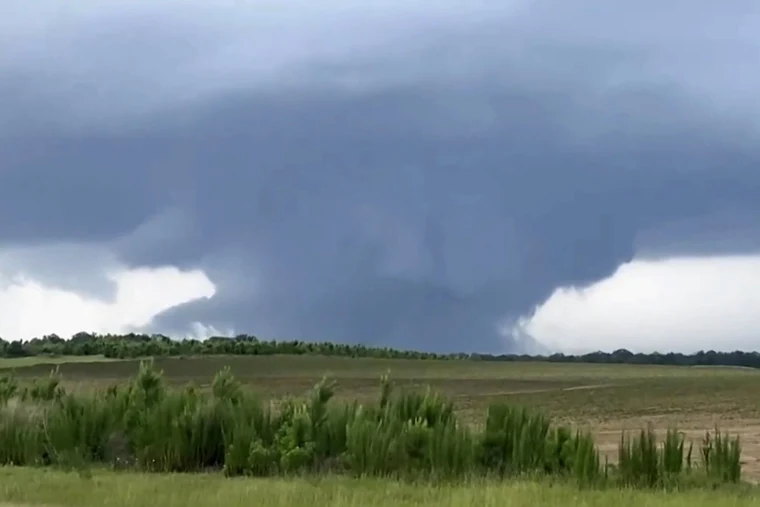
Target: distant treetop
[(141, 345)]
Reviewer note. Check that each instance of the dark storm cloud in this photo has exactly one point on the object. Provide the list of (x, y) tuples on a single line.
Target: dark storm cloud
[(410, 192)]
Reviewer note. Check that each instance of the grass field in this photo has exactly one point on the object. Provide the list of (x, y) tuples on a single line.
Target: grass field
[(50, 360), (45, 488), (603, 398)]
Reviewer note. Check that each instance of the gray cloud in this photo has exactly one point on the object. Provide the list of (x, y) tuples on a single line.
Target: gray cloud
[(386, 174)]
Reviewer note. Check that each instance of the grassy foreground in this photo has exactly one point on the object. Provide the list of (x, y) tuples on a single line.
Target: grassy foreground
[(144, 425), (49, 488)]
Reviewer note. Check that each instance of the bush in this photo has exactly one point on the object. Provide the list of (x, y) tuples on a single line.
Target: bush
[(405, 434)]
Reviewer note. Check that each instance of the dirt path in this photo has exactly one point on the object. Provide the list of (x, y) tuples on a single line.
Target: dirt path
[(539, 391)]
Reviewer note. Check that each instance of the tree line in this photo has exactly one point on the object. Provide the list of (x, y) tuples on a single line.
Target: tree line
[(132, 346)]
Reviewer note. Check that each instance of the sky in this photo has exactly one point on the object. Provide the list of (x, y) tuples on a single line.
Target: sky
[(488, 176)]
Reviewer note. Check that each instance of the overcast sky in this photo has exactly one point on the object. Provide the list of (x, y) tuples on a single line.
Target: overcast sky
[(497, 175)]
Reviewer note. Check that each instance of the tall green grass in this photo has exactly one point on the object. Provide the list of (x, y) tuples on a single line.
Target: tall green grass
[(143, 425)]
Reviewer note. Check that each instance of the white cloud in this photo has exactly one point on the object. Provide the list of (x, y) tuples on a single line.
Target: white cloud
[(679, 304), (37, 305)]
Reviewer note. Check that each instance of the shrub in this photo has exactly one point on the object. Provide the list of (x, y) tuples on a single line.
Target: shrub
[(405, 434)]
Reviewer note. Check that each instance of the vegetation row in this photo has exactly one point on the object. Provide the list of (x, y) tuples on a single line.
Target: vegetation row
[(140, 346), (146, 426)]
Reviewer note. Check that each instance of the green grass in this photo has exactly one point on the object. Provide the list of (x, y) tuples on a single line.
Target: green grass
[(148, 426), (48, 488), (608, 396)]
